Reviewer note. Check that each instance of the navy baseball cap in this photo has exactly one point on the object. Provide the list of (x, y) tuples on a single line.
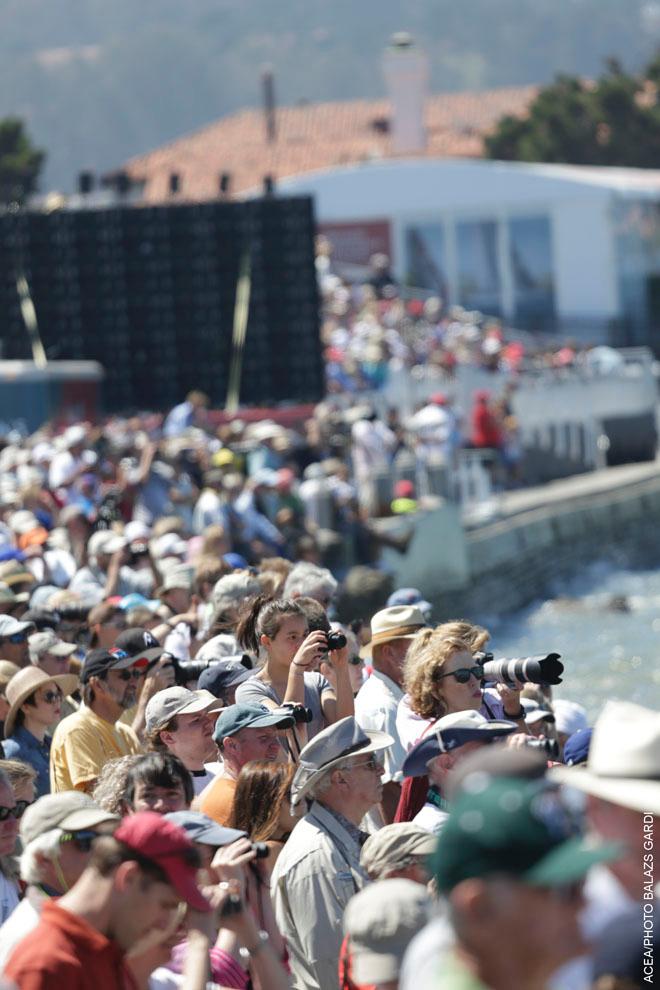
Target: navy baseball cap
[(200, 828), (97, 662), (576, 747), (236, 561), (450, 732), (222, 675), (238, 717)]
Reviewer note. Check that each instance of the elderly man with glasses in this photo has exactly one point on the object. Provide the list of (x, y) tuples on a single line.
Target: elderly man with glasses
[(85, 741), (318, 871)]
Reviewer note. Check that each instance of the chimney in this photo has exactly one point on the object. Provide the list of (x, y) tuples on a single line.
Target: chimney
[(406, 76), (268, 92)]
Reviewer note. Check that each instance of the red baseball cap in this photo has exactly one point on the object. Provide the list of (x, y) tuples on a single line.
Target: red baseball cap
[(167, 846)]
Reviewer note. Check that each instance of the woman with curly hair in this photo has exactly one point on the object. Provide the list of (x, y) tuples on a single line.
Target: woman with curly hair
[(441, 676), (261, 804)]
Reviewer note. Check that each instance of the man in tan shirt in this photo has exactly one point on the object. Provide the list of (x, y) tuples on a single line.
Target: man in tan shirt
[(85, 741)]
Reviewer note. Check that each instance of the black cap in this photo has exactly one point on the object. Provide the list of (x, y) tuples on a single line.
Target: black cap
[(139, 644), (223, 675), (42, 619), (97, 662)]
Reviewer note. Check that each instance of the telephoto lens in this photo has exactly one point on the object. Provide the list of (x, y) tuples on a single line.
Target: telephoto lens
[(544, 669)]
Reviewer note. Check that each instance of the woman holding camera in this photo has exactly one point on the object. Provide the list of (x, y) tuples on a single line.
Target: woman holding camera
[(277, 630), (442, 676)]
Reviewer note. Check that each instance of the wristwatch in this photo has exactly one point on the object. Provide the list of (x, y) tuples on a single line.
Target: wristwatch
[(247, 953)]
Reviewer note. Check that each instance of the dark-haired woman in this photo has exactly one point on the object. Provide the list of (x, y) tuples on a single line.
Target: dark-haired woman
[(261, 805), (277, 631)]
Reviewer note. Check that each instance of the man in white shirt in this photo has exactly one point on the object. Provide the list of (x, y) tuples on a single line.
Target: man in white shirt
[(392, 631)]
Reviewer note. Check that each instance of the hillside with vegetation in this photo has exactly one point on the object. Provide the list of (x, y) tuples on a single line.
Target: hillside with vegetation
[(97, 82)]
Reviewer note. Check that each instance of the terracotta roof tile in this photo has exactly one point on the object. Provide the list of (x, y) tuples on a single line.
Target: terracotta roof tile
[(316, 136)]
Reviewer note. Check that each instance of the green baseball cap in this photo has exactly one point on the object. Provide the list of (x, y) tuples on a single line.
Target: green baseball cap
[(516, 828)]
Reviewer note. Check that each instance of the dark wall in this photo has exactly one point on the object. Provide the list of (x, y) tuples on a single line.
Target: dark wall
[(150, 293)]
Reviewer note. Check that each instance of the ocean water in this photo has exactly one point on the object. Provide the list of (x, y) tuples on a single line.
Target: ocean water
[(607, 652)]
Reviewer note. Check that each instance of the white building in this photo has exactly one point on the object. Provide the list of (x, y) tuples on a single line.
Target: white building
[(555, 247)]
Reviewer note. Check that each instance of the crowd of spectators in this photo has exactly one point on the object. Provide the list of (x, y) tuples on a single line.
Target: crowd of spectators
[(373, 327), (234, 758), (208, 780)]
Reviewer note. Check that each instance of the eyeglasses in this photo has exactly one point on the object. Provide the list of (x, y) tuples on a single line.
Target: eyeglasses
[(463, 674), (371, 764), (82, 840), (14, 812), (51, 696)]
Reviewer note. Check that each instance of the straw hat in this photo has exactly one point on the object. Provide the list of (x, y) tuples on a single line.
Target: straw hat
[(624, 759), (25, 683), (395, 622)]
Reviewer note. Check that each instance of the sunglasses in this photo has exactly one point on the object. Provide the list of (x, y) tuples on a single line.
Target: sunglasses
[(51, 696), (15, 812), (132, 674), (16, 638), (82, 840), (463, 674), (355, 661)]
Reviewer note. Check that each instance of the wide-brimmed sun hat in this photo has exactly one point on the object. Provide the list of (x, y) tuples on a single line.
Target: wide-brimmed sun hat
[(395, 622), (623, 766), (26, 682)]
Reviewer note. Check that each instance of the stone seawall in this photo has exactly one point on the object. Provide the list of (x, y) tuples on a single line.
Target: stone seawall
[(539, 537)]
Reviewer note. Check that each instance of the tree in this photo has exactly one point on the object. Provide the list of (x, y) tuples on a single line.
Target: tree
[(612, 121), (20, 161)]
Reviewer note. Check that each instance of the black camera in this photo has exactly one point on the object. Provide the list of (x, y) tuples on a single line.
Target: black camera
[(190, 671), (548, 746), (261, 850), (299, 712), (544, 669), (336, 640), (233, 905)]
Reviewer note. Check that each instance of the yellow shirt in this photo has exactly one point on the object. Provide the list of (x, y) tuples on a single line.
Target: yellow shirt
[(82, 744)]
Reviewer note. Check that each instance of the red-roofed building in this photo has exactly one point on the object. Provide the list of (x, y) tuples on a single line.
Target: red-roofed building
[(313, 137)]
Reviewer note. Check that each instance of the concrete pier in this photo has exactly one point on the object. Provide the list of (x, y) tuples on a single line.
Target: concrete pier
[(535, 537)]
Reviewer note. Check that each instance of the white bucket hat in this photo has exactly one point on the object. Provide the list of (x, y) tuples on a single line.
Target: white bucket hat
[(624, 759)]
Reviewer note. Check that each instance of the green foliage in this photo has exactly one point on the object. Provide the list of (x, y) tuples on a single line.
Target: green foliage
[(20, 161), (613, 121)]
